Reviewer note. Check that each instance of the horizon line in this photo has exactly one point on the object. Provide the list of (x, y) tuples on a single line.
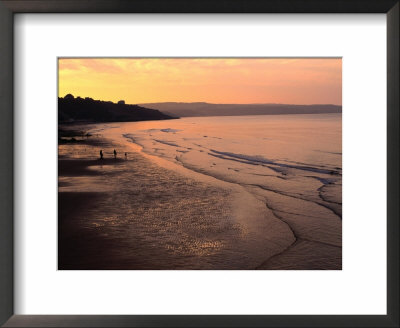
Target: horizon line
[(204, 102)]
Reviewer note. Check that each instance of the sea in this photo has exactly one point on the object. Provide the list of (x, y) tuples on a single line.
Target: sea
[(223, 192)]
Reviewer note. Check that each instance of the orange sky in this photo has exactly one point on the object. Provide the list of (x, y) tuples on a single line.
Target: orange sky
[(216, 80)]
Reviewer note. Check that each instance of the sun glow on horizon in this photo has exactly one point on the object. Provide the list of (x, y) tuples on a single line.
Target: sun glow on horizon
[(213, 80)]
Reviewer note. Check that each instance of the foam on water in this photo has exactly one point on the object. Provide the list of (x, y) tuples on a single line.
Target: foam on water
[(299, 149), (293, 163)]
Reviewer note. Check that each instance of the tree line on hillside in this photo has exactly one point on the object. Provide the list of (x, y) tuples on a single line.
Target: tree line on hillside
[(71, 109)]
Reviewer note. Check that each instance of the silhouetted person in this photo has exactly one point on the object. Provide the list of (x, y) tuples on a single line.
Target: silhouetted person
[(126, 155), (101, 154), (115, 154)]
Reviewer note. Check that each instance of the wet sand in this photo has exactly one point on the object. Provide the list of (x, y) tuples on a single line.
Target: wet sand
[(125, 214), (133, 214), (108, 225)]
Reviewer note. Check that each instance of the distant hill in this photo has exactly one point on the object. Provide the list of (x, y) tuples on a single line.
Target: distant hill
[(79, 109), (207, 109)]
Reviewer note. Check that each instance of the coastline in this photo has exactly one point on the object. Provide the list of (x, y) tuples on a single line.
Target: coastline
[(123, 214), (272, 241)]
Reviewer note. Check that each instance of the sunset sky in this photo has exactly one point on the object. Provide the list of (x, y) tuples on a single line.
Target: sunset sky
[(222, 80)]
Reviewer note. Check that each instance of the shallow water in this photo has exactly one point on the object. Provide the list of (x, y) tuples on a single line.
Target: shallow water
[(306, 149), (220, 192)]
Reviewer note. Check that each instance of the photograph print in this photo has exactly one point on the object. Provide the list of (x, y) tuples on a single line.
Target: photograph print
[(199, 164)]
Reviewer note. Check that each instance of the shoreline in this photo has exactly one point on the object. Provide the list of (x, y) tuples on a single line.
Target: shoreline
[(205, 240), (291, 255)]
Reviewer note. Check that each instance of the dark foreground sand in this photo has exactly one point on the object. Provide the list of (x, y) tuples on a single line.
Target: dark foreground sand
[(102, 227)]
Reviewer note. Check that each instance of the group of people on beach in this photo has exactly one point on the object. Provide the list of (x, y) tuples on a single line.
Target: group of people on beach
[(115, 154)]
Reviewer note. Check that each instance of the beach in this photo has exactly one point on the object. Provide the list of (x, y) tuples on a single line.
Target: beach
[(196, 194)]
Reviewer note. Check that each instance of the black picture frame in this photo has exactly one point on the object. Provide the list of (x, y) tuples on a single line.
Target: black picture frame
[(10, 7)]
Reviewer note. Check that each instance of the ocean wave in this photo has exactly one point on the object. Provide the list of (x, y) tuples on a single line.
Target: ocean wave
[(168, 143), (259, 160)]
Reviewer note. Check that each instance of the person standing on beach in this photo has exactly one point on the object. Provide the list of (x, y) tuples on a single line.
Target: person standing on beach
[(101, 154), (115, 154)]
